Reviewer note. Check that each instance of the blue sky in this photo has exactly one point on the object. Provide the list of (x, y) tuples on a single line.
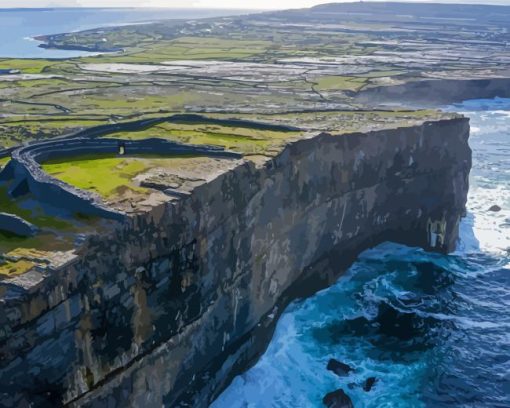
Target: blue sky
[(232, 4)]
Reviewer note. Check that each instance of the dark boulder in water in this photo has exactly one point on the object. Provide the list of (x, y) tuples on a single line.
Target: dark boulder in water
[(402, 325), (430, 279), (338, 367), (369, 383), (337, 399), (397, 333), (495, 208)]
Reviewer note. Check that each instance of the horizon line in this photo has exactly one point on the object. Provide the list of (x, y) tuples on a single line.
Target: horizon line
[(451, 2)]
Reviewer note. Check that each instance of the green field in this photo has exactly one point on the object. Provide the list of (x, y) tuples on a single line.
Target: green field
[(27, 66), (63, 96), (14, 268), (88, 172), (305, 76), (340, 83), (241, 140)]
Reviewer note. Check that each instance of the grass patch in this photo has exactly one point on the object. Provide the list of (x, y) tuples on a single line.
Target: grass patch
[(16, 133), (99, 173), (242, 140), (139, 103), (27, 66), (13, 268), (4, 161), (188, 48), (107, 175), (340, 83)]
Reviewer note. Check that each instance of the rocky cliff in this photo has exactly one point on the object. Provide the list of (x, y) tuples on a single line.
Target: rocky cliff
[(434, 92), (166, 309)]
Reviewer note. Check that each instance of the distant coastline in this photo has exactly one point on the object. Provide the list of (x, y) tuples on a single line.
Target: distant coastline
[(23, 29)]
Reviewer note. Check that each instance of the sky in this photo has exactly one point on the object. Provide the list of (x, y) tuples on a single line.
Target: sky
[(226, 4)]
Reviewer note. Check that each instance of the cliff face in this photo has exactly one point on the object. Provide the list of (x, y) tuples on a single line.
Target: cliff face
[(433, 92), (169, 307)]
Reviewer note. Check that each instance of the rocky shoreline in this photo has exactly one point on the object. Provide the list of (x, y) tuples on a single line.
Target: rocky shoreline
[(47, 42)]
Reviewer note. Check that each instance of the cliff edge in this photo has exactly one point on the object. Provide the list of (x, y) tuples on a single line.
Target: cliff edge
[(167, 308)]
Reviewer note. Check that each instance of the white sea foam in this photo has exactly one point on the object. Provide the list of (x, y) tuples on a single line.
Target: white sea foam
[(488, 231)]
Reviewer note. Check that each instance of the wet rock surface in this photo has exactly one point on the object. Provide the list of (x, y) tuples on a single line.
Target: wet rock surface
[(339, 368), (337, 399), (369, 383)]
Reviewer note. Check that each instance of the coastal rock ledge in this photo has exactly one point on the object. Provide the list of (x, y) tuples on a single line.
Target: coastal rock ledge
[(165, 310)]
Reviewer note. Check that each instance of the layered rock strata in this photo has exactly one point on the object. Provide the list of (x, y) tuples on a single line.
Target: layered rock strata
[(166, 309)]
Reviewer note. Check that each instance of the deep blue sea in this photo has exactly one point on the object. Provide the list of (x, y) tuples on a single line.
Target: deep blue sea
[(434, 330), (18, 26)]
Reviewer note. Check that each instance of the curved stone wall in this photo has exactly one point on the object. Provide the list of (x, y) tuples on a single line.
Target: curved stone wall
[(185, 118), (61, 149), (28, 175), (25, 169)]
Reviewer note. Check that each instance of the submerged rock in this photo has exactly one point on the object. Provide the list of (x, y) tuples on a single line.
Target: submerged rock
[(337, 399), (495, 208), (338, 367), (369, 383)]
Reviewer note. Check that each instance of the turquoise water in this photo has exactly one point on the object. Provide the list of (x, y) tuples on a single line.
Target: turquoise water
[(433, 329), (18, 26)]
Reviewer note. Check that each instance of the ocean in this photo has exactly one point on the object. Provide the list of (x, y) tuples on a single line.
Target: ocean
[(434, 330), (18, 26)]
